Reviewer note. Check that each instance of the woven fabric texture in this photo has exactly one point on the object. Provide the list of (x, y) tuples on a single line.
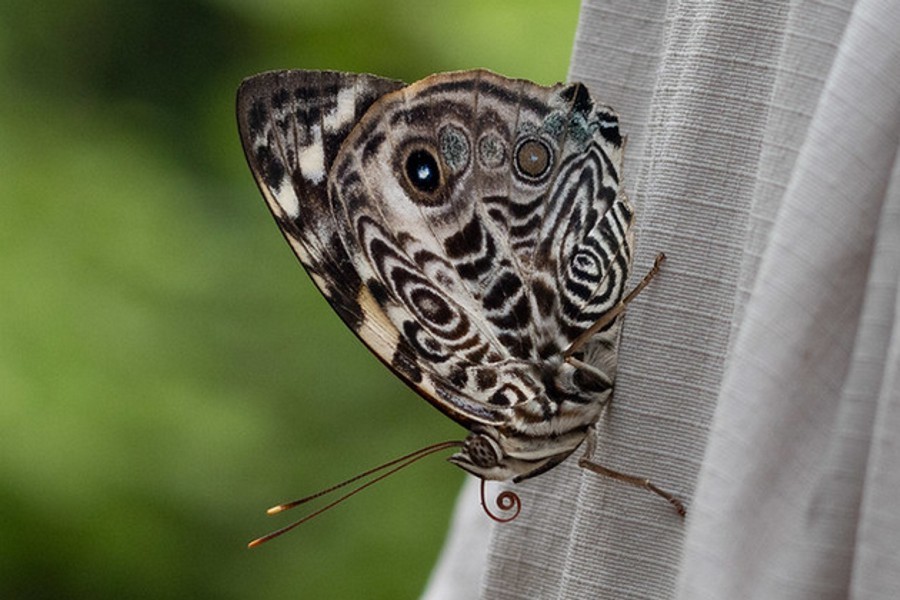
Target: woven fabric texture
[(759, 375)]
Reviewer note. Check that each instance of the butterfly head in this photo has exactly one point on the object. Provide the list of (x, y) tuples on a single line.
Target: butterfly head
[(491, 455)]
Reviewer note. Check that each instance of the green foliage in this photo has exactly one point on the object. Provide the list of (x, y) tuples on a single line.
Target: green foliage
[(167, 371)]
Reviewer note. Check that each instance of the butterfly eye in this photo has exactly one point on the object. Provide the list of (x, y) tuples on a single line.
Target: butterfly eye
[(533, 158), (483, 451), (422, 171)]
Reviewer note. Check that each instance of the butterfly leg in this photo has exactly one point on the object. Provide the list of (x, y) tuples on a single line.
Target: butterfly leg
[(611, 315), (585, 462)]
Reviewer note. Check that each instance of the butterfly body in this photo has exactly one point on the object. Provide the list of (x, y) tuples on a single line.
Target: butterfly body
[(468, 228)]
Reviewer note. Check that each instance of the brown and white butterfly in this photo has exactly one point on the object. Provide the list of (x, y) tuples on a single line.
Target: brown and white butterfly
[(472, 230)]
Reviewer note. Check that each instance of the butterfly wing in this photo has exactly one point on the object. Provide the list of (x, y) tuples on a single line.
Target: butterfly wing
[(466, 227), (292, 125), (518, 242)]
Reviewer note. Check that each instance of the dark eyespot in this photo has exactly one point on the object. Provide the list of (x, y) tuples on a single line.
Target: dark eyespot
[(533, 158), (422, 171)]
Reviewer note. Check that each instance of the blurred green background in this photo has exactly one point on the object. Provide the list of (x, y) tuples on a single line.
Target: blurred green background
[(167, 371)]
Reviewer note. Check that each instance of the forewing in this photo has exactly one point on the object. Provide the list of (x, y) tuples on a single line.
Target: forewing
[(292, 126)]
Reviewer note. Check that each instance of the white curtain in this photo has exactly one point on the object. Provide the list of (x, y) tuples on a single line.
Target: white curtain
[(759, 374)]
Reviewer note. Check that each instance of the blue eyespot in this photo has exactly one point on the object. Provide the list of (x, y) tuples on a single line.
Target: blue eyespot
[(422, 171)]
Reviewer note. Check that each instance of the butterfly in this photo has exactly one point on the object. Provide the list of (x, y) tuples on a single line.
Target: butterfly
[(472, 230)]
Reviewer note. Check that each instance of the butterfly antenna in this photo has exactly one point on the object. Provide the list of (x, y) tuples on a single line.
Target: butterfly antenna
[(393, 466)]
